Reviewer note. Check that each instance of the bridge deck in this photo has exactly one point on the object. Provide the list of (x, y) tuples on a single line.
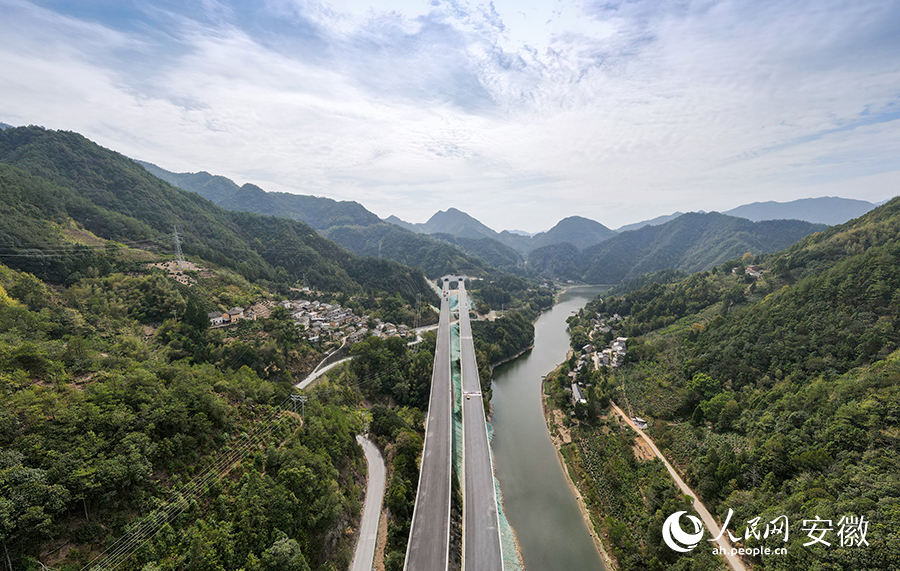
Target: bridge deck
[(429, 538), (481, 527)]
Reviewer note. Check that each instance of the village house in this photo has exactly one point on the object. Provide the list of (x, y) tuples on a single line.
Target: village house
[(577, 394)]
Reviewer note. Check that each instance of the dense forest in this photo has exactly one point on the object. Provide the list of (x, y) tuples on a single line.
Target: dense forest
[(353, 227), (690, 243), (116, 392), (101, 421), (319, 212), (776, 393), (129, 427), (50, 180), (132, 430)]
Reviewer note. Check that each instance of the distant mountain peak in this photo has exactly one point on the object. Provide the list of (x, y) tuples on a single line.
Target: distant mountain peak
[(457, 223), (831, 210), (319, 212), (576, 230)]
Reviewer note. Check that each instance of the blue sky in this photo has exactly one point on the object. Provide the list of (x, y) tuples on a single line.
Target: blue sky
[(518, 112)]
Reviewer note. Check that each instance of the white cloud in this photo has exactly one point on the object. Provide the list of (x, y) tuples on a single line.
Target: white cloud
[(618, 113)]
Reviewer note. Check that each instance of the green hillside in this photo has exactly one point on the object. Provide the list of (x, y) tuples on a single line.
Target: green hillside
[(777, 394), (492, 251), (562, 261), (577, 230), (353, 227), (59, 177), (110, 405), (691, 242), (319, 212), (129, 423), (432, 256)]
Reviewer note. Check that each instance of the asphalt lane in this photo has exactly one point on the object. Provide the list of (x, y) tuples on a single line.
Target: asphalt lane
[(429, 537), (364, 558), (481, 526)]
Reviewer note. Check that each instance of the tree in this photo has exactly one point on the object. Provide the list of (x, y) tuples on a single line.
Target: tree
[(27, 501), (195, 315), (284, 555)]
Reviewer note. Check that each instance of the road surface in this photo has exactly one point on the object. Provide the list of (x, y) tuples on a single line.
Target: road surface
[(429, 537), (364, 558), (318, 373), (733, 561), (481, 525)]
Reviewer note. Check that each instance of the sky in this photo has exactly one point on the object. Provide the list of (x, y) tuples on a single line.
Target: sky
[(518, 112)]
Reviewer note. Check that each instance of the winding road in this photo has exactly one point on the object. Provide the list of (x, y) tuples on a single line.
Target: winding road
[(364, 558), (733, 561)]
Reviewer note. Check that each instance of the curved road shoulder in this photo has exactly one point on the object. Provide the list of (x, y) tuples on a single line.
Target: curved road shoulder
[(364, 558), (733, 561)]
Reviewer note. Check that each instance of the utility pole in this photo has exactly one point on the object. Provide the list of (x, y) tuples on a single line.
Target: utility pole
[(302, 400), (179, 256)]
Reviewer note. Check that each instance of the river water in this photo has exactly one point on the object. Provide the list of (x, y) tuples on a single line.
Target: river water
[(539, 505)]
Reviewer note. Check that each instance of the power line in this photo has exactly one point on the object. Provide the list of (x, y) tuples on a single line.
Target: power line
[(145, 530), (179, 256)]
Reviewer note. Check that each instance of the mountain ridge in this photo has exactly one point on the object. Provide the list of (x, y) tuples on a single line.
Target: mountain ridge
[(831, 210), (692, 242), (578, 230), (319, 212), (52, 177)]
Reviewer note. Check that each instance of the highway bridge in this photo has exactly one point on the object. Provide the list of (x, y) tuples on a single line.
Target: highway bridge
[(429, 540), (481, 525), (429, 537)]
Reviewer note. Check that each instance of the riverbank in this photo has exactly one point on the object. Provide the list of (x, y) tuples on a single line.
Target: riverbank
[(539, 503), (561, 436), (493, 366)]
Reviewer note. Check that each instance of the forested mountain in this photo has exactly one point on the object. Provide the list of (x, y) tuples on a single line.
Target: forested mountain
[(319, 212), (691, 242), (54, 178), (353, 227), (577, 230), (563, 261), (5, 126), (451, 221), (829, 210), (432, 256), (775, 394), (491, 251), (123, 408), (652, 222)]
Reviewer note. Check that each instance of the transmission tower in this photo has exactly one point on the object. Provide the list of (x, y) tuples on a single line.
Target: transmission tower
[(179, 256), (302, 400)]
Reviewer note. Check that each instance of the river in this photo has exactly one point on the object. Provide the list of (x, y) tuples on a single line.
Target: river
[(539, 505)]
